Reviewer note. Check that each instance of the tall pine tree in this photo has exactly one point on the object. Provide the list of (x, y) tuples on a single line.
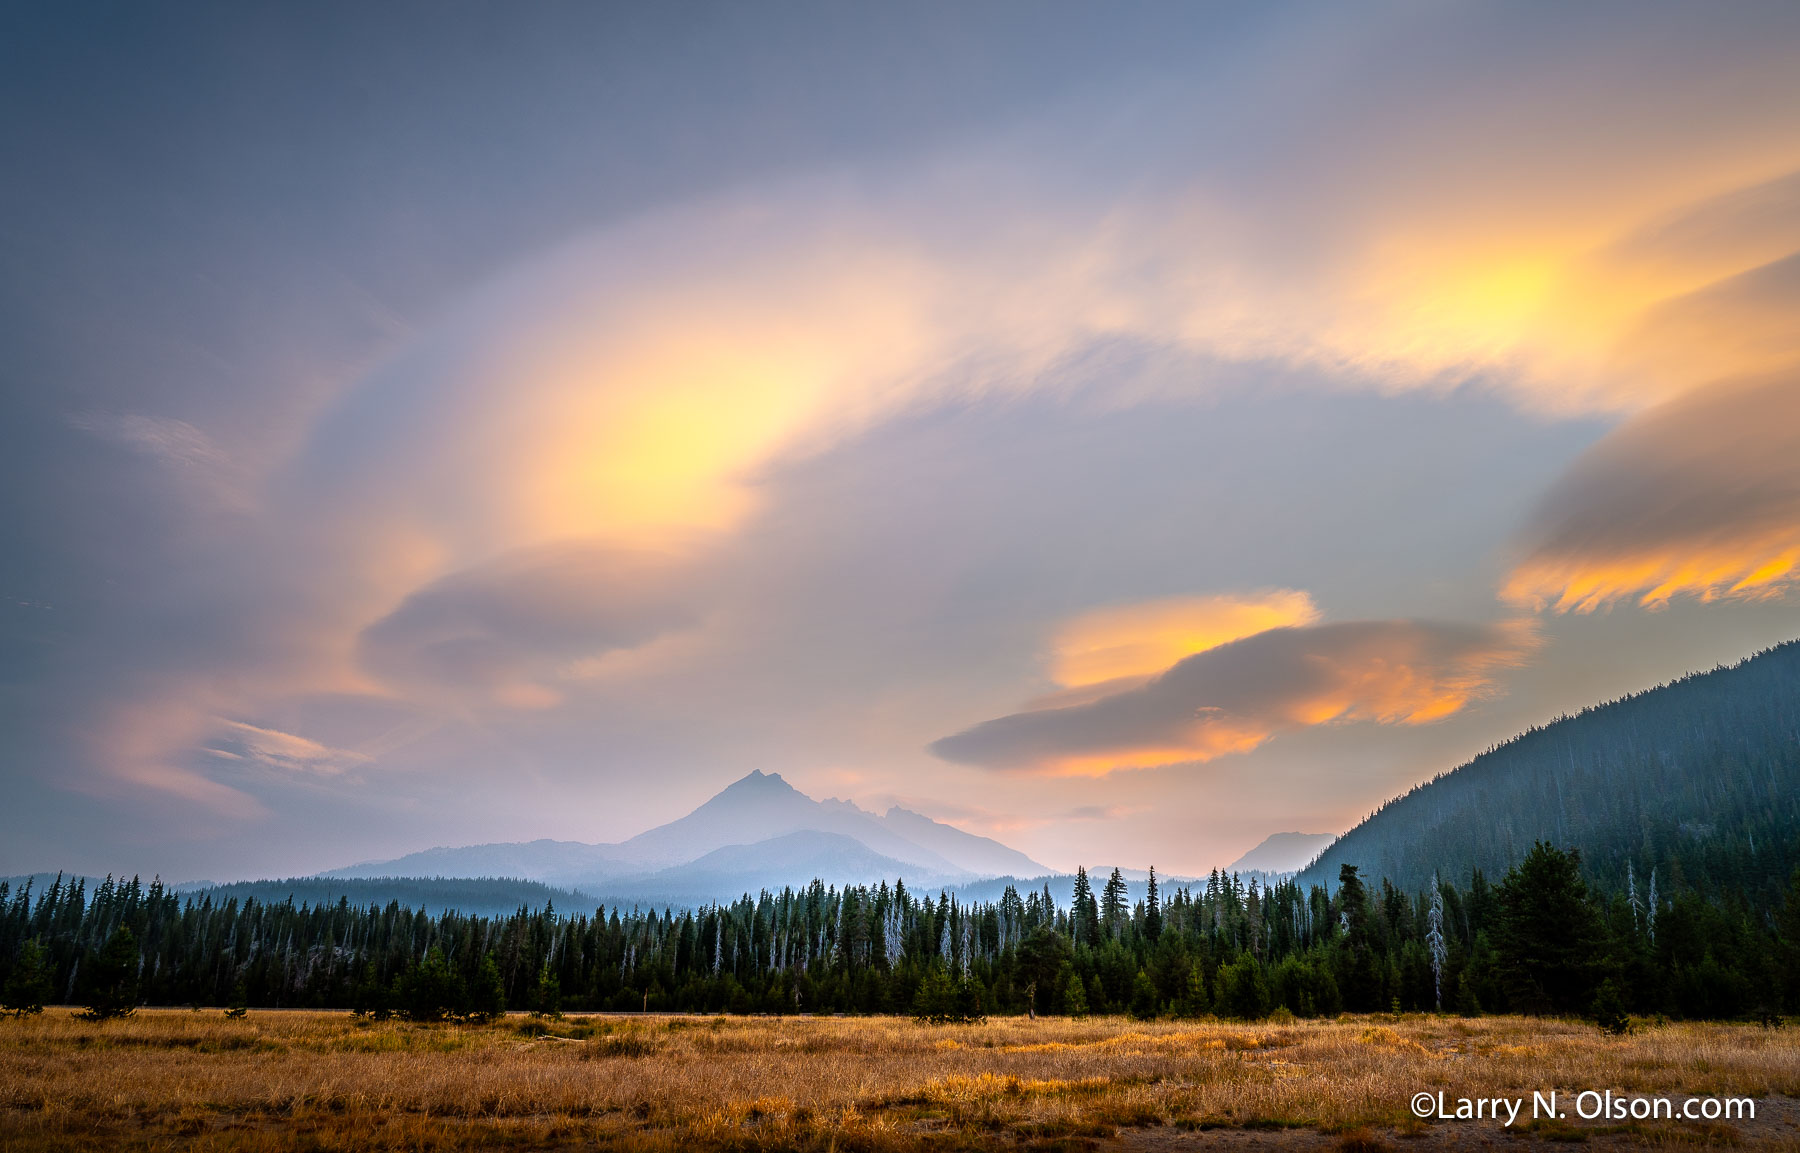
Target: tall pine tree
[(1549, 936), (1114, 911)]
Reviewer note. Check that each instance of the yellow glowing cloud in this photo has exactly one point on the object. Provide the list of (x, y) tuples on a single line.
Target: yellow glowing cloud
[(1141, 639), (662, 425), (1572, 319)]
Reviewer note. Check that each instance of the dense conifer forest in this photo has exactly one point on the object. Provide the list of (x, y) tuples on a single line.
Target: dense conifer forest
[(1539, 940), (1698, 780)]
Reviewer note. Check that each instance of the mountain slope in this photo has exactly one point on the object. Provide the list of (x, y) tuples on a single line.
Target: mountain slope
[(554, 862), (1699, 779), (791, 860), (983, 856), (1281, 853)]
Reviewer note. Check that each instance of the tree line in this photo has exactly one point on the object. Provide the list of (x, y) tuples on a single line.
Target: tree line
[(1540, 940)]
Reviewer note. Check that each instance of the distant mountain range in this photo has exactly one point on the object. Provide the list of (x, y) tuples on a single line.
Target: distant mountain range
[(1698, 779), (759, 832), (1281, 853), (476, 896)]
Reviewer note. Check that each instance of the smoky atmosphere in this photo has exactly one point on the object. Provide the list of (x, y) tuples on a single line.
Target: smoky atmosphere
[(1058, 434)]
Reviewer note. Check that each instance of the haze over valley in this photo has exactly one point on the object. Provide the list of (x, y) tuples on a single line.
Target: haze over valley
[(1153, 442)]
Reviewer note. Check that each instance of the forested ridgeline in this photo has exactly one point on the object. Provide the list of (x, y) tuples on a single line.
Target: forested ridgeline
[(1539, 941), (494, 896), (1698, 779)]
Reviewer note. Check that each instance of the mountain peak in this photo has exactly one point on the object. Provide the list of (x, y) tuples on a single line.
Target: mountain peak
[(761, 781)]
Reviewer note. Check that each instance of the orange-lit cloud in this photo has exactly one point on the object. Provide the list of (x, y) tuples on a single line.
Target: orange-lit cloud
[(1139, 640), (142, 745), (1234, 697), (1699, 498)]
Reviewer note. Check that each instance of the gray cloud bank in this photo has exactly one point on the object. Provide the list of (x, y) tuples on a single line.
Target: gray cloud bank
[(501, 625)]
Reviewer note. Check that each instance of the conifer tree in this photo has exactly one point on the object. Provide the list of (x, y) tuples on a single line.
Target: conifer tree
[(1113, 908), (1467, 1003), (239, 1006), (111, 978), (546, 995), (1609, 1009), (1358, 978), (431, 990), (1152, 910), (1197, 1002), (935, 1001), (1548, 935), (1144, 1004), (1084, 914), (487, 993), (1074, 999), (28, 985), (1243, 990)]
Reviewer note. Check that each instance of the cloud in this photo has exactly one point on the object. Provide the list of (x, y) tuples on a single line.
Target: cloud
[(272, 748), (143, 745), (1100, 812), (1699, 497), (1405, 199), (512, 630), (184, 451), (1234, 697), (1142, 639)]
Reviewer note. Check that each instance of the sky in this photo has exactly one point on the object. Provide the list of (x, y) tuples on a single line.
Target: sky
[(1124, 431)]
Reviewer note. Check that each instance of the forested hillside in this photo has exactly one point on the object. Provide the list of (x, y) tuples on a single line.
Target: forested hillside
[(1697, 781)]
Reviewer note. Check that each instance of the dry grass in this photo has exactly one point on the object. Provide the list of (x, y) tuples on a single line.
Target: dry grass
[(318, 1081)]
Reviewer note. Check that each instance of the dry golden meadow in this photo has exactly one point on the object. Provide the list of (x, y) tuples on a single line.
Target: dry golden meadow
[(180, 1079)]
